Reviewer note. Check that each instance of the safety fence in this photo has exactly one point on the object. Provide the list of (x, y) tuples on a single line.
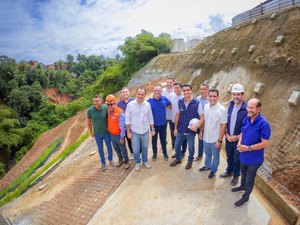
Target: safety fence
[(264, 8)]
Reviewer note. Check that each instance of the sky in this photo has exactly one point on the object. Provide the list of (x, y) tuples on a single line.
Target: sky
[(49, 30)]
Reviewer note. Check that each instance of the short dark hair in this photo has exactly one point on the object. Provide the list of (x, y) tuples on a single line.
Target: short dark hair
[(141, 88), (205, 84), (214, 90), (177, 83), (97, 96), (187, 85), (258, 103), (170, 78)]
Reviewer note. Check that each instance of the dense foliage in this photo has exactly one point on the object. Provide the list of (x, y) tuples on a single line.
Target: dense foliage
[(26, 111)]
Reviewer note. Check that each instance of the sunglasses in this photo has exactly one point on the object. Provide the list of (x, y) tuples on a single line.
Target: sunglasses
[(109, 105)]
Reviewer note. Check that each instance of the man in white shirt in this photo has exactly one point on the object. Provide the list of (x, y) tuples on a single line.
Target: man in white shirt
[(138, 117), (167, 92), (174, 98), (203, 99), (215, 120)]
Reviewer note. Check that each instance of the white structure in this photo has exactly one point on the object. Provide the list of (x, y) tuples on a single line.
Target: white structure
[(178, 45)]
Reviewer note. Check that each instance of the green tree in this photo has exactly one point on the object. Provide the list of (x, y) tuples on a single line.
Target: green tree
[(19, 100), (9, 133)]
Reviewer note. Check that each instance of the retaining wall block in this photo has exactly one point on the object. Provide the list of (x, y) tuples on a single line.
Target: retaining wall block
[(234, 51), (259, 88), (229, 88), (273, 16), (251, 48), (222, 52), (214, 84), (279, 40), (294, 98), (213, 51)]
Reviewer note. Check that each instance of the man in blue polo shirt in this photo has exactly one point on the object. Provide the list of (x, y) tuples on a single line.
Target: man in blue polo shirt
[(158, 106), (254, 138), (188, 109)]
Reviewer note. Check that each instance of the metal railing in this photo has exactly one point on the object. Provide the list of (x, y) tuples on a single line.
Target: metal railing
[(264, 8)]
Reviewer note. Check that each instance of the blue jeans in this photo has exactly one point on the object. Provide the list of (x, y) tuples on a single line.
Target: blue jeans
[(161, 130), (248, 177), (171, 125), (233, 158), (138, 142), (184, 144), (99, 140), (212, 156), (190, 138), (120, 149), (200, 147)]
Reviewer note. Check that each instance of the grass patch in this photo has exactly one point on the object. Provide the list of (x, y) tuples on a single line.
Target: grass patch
[(27, 181)]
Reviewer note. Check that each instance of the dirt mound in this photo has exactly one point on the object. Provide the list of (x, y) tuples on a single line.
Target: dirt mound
[(56, 97), (70, 130)]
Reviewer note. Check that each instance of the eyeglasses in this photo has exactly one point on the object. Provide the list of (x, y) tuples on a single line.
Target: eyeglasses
[(109, 105)]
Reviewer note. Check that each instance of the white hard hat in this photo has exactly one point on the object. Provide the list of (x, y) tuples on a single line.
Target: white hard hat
[(237, 88), (194, 122)]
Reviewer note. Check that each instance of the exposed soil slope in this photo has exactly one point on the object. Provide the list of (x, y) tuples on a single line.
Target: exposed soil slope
[(56, 97)]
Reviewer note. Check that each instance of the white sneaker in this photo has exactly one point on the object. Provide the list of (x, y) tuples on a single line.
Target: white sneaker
[(137, 167), (131, 156), (147, 165)]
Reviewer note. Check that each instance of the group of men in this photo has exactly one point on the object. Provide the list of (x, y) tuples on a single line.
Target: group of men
[(246, 131)]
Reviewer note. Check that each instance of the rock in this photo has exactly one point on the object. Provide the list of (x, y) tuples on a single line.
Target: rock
[(294, 98)]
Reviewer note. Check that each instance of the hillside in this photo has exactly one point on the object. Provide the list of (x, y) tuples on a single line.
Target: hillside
[(276, 66)]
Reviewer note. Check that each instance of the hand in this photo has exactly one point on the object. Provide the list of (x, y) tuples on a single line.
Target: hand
[(175, 132), (194, 128), (234, 138), (152, 133), (122, 141), (129, 135), (200, 136), (92, 134), (242, 148), (218, 145)]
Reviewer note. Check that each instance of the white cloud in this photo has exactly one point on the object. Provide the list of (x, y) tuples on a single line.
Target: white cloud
[(48, 30)]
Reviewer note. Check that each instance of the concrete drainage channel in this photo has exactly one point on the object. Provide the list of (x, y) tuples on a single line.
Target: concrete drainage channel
[(290, 213)]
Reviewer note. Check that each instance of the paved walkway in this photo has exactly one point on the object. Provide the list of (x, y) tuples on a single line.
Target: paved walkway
[(166, 195)]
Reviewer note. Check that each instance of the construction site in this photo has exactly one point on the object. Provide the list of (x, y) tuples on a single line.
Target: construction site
[(261, 53)]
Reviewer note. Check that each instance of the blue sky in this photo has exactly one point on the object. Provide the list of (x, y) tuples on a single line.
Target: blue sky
[(48, 30)]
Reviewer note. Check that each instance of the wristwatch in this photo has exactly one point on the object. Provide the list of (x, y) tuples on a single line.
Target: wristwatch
[(220, 141)]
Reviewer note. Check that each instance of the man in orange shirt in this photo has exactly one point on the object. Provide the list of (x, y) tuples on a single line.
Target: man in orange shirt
[(117, 129)]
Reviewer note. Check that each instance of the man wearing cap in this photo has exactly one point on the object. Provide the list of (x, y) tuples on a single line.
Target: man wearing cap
[(117, 129), (215, 119), (203, 99), (97, 124), (188, 109), (123, 105), (158, 106), (254, 138), (236, 113), (138, 118)]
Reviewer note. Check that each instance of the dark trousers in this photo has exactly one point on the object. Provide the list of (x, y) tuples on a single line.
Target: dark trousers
[(233, 158), (129, 143), (248, 177), (161, 131), (184, 144), (172, 132)]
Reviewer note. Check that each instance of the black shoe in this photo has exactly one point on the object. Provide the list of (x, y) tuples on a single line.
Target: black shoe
[(241, 203), (211, 175), (154, 157), (238, 189), (166, 157), (225, 174), (204, 169), (234, 180)]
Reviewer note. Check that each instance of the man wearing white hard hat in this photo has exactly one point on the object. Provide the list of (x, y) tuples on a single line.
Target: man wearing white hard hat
[(236, 112)]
